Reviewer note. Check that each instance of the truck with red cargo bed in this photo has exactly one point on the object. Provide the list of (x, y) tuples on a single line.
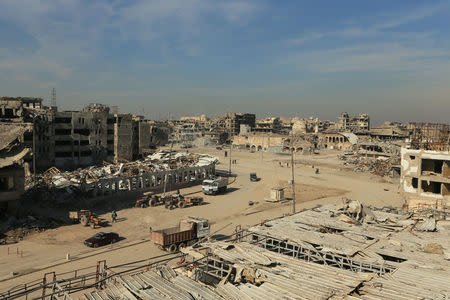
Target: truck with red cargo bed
[(187, 233)]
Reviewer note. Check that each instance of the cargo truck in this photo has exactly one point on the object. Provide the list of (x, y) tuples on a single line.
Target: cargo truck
[(187, 233), (214, 186)]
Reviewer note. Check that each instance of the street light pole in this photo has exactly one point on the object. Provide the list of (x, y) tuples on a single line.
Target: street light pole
[(292, 180)]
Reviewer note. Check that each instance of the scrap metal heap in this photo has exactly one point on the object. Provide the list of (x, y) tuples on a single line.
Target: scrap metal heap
[(329, 252)]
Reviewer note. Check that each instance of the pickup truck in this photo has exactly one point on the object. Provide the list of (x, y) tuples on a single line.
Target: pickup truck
[(187, 233)]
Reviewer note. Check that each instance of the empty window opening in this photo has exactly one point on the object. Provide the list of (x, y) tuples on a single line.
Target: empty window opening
[(63, 131), (82, 131), (63, 120), (63, 154), (86, 153), (412, 157), (62, 143), (432, 165), (9, 112), (6, 183), (431, 187), (415, 182), (28, 136)]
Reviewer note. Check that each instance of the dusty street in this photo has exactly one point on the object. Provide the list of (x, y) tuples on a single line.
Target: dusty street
[(44, 252)]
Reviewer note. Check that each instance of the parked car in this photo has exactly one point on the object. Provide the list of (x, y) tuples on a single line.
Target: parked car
[(101, 239), (253, 177)]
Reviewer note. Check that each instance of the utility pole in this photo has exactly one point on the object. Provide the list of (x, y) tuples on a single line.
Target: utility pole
[(231, 146), (34, 148), (292, 180)]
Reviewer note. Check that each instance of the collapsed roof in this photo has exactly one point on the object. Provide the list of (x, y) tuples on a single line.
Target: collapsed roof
[(12, 149)]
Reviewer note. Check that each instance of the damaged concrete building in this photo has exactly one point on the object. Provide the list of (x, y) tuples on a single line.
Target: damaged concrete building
[(339, 141), (12, 165), (270, 125), (72, 139), (233, 121), (389, 131), (272, 142), (425, 162), (355, 124)]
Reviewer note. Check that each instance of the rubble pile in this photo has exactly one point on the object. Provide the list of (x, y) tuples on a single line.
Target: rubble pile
[(354, 212), (65, 185), (160, 161), (376, 166), (16, 229)]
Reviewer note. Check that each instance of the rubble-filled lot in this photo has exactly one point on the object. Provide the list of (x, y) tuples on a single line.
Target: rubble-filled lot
[(381, 166)]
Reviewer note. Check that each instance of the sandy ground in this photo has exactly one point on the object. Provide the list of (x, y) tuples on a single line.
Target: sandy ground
[(45, 252)]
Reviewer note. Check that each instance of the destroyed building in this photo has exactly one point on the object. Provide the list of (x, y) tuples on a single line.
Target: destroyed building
[(339, 141), (272, 142), (159, 172), (389, 131), (271, 125), (233, 122), (355, 124), (72, 139), (12, 165), (425, 162)]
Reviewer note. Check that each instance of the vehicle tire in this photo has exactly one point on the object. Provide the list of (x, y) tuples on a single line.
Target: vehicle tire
[(153, 202), (181, 245), (115, 240), (173, 248), (181, 204), (93, 225)]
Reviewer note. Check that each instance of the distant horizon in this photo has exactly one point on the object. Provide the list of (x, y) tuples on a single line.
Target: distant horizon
[(389, 59), (162, 116)]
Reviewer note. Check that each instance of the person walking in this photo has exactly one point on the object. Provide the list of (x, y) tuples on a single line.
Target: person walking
[(114, 216)]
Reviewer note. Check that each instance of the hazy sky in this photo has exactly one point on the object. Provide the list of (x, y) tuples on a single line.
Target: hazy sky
[(390, 59)]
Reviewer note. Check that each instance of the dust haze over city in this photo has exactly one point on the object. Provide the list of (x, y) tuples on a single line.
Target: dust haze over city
[(194, 149)]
